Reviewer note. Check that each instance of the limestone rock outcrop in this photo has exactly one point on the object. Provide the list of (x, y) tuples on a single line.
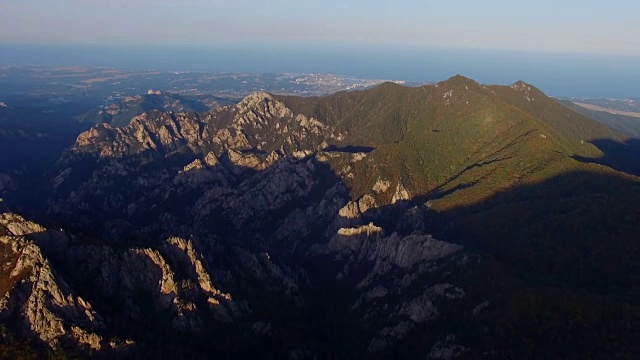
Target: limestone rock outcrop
[(36, 294)]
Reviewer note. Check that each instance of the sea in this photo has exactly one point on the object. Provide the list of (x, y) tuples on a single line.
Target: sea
[(557, 74)]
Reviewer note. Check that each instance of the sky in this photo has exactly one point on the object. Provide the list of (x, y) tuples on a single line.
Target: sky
[(571, 26)]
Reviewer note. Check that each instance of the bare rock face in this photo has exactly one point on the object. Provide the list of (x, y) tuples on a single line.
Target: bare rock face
[(366, 203), (194, 165), (231, 138), (147, 269), (369, 241), (155, 133), (366, 230), (381, 186), (367, 250), (201, 172), (182, 251), (250, 161), (18, 226), (211, 159), (281, 184), (295, 132), (179, 282), (43, 301), (400, 194), (258, 122), (48, 307), (350, 211), (354, 211), (447, 348)]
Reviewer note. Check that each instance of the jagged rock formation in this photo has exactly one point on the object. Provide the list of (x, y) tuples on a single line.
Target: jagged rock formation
[(175, 277), (34, 292), (259, 123), (229, 145), (414, 256)]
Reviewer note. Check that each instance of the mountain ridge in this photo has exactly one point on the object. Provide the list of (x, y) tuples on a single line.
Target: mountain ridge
[(119, 113), (449, 219)]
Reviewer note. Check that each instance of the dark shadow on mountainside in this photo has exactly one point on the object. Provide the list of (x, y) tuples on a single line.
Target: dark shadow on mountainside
[(622, 156), (571, 242)]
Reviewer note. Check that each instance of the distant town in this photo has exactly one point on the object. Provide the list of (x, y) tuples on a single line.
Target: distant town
[(70, 83)]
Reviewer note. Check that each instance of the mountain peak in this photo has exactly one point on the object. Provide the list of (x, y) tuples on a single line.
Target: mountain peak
[(530, 92), (390, 85), (520, 85), (255, 98), (459, 80), (458, 77)]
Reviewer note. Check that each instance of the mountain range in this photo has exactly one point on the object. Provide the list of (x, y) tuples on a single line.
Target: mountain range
[(628, 125), (453, 220)]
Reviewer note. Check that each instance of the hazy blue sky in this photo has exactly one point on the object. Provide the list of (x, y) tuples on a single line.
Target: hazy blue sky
[(569, 26)]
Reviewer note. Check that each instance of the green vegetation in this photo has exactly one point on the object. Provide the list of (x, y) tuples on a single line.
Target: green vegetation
[(457, 137)]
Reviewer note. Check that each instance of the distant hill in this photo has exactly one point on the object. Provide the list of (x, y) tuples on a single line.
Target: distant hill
[(621, 106), (628, 125), (119, 113)]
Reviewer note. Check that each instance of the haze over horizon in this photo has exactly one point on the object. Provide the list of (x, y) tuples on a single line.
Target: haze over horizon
[(574, 26), (578, 49)]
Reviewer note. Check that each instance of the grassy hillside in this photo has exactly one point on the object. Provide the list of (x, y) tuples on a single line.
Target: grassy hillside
[(371, 118), (568, 123), (457, 142)]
